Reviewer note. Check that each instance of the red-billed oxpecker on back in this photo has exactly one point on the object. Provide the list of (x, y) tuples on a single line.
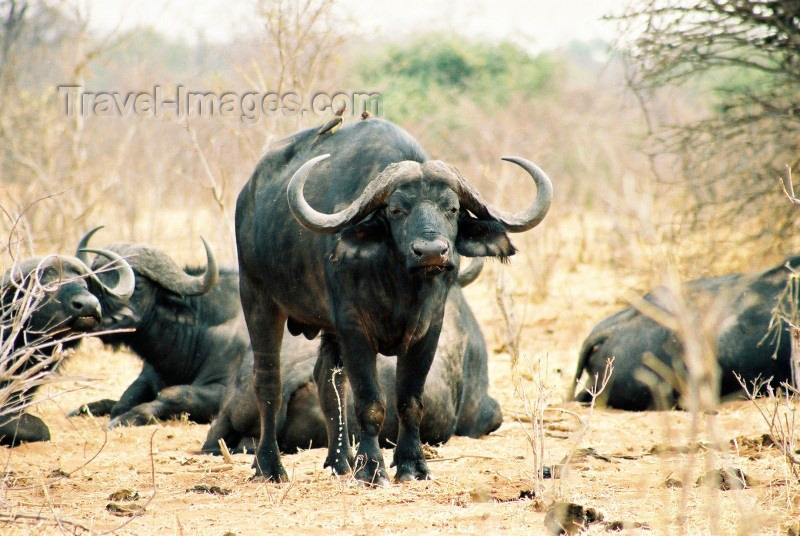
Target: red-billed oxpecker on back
[(366, 250)]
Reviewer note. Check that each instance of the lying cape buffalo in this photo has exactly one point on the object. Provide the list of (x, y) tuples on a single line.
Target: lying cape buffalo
[(371, 266), (185, 325), (46, 302), (455, 397), (743, 343)]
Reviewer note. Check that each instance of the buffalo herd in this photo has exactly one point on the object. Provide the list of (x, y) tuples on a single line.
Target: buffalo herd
[(346, 316)]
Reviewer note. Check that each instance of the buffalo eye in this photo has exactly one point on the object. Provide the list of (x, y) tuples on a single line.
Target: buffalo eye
[(396, 211), (453, 210)]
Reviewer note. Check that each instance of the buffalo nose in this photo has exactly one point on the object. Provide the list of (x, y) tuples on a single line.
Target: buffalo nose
[(86, 305), (430, 249)]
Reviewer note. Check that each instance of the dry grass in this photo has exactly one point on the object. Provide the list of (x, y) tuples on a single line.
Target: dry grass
[(478, 481), (619, 223)]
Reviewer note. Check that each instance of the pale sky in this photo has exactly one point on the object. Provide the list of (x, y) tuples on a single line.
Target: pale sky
[(541, 24)]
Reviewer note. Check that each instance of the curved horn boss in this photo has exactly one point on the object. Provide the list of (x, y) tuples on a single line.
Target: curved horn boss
[(160, 267), (376, 193)]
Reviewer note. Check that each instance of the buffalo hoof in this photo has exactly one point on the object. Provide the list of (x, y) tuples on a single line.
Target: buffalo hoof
[(341, 465), (412, 471), (132, 418), (269, 472), (96, 409), (371, 473), (379, 483)]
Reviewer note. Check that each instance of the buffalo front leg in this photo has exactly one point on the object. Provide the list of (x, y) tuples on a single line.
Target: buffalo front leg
[(143, 389), (221, 428), (265, 323), (412, 370), (360, 366), (332, 391), (199, 402), (98, 408)]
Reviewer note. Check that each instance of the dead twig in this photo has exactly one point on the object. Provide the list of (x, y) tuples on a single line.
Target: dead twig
[(594, 391), (226, 454), (505, 303), (17, 517), (149, 499), (49, 503), (788, 189), (52, 481), (462, 456)]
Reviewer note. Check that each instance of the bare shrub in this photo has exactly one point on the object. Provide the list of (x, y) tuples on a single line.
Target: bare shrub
[(27, 360), (534, 406), (305, 37), (534, 423), (595, 389), (743, 55), (779, 411), (512, 328)]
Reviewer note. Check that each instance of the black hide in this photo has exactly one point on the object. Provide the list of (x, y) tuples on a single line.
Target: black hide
[(379, 285), (455, 399), (190, 346), (743, 343)]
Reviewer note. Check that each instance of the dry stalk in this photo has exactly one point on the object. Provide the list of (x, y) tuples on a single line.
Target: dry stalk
[(788, 188), (289, 487), (594, 391), (52, 507), (340, 436), (505, 302), (216, 188), (27, 518), (778, 410), (695, 377), (534, 409), (149, 499), (226, 453), (786, 315), (27, 358)]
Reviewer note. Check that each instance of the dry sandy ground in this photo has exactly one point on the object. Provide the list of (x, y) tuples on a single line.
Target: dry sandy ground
[(478, 482)]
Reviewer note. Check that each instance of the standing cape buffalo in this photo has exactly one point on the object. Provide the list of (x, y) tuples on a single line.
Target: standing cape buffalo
[(186, 327), (455, 398), (744, 344), (45, 302), (372, 270)]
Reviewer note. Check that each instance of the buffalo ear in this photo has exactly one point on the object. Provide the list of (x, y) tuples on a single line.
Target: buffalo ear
[(483, 238), (362, 240)]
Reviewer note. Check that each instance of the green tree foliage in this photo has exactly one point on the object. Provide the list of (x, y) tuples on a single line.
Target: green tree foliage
[(433, 73)]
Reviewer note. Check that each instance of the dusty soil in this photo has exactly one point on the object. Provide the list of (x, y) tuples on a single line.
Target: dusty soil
[(631, 475)]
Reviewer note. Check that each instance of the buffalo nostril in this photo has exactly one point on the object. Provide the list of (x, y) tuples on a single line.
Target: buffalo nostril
[(430, 248), (85, 305)]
